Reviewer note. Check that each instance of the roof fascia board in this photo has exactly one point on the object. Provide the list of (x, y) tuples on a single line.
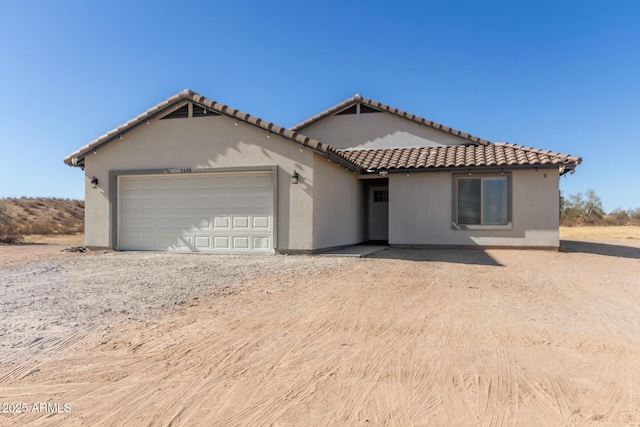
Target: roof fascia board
[(468, 169), (333, 157)]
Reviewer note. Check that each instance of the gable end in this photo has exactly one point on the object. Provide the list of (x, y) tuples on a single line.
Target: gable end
[(179, 113)]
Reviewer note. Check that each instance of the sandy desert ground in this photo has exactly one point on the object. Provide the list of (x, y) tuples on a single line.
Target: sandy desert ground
[(406, 337)]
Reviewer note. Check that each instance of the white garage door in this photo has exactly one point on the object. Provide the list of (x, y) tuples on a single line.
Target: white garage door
[(196, 212)]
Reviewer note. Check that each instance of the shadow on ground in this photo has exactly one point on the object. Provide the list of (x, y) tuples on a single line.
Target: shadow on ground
[(597, 248), (457, 256)]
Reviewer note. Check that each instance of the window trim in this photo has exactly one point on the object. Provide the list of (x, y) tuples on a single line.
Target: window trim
[(454, 204)]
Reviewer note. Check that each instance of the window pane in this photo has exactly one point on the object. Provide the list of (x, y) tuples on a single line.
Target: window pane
[(380, 196), (469, 201), (494, 196)]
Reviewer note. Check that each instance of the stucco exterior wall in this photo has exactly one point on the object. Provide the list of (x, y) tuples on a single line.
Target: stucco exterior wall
[(339, 213), (203, 143), (377, 130), (420, 211)]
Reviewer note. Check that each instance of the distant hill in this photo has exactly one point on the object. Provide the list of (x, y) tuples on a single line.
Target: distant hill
[(45, 215)]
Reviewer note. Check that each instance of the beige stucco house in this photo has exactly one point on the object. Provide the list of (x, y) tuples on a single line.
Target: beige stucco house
[(194, 175)]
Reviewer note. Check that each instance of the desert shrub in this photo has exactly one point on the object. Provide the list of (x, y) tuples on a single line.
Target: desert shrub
[(71, 226), (581, 209), (45, 226), (619, 214), (9, 232)]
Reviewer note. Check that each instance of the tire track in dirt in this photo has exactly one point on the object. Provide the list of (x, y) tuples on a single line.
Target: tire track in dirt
[(611, 395), (404, 391), (545, 394), (307, 350), (233, 353), (20, 371), (440, 353), (555, 389), (348, 349), (501, 404), (602, 302)]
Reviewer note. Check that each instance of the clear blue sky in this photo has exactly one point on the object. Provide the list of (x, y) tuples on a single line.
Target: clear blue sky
[(559, 75)]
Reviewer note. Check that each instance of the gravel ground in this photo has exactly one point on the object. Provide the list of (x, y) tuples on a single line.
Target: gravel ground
[(46, 303)]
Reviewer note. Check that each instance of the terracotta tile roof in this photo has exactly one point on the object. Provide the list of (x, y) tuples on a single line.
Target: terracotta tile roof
[(456, 156), (77, 158), (382, 107), (480, 153)]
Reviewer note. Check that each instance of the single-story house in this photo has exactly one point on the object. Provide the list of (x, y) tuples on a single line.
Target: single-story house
[(194, 175)]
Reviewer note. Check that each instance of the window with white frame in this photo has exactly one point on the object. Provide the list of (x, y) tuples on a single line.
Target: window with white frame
[(482, 200)]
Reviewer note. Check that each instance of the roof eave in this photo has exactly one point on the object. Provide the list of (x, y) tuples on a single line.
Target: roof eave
[(77, 158), (468, 169)]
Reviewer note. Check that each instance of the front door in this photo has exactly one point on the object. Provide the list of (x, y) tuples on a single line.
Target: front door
[(379, 213)]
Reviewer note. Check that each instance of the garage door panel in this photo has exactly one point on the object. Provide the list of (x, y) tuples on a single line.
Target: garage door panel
[(221, 242), (242, 202), (202, 223), (165, 183), (129, 241), (148, 204), (261, 182), (202, 183), (240, 242), (148, 222), (130, 223), (221, 201), (240, 222), (220, 182), (184, 202), (182, 242), (261, 242), (201, 202), (261, 222), (130, 203), (260, 201), (182, 183), (182, 222), (221, 222), (202, 242), (217, 212), (165, 222), (240, 182), (148, 241), (164, 202), (148, 184), (130, 184)]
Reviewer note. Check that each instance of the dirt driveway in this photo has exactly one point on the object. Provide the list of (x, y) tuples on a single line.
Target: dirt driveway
[(407, 337)]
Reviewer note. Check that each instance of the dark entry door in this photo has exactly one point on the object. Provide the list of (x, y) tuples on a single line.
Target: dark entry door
[(379, 213)]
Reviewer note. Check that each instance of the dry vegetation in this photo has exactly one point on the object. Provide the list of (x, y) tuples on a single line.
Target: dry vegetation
[(586, 209), (42, 216), (600, 233)]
